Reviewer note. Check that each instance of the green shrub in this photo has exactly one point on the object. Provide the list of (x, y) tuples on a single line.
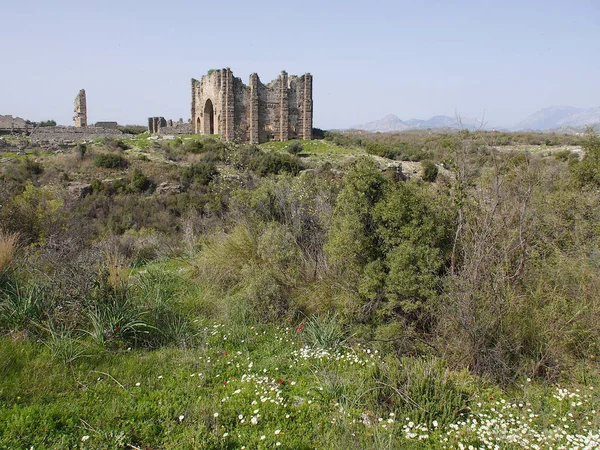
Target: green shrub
[(265, 292), (351, 242), (250, 157), (110, 161), (587, 171), (35, 214), (203, 146), (295, 148), (565, 155), (140, 182), (318, 133), (200, 173), (274, 164), (429, 171), (425, 390), (81, 149)]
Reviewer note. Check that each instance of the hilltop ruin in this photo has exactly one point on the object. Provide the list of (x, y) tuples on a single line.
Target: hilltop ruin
[(281, 110)]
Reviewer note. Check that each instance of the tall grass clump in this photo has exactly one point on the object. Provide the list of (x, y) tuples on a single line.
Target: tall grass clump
[(324, 331), (424, 390), (8, 250), (24, 306)]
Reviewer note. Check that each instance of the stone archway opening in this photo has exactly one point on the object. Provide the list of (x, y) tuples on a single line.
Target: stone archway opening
[(209, 118), (198, 125)]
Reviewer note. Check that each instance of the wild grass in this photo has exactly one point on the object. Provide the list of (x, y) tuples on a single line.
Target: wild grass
[(8, 250), (257, 386)]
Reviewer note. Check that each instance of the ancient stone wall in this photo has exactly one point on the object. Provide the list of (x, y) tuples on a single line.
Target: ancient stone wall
[(106, 124), (62, 134), (80, 117), (176, 129), (281, 110), (155, 124), (158, 125), (10, 125)]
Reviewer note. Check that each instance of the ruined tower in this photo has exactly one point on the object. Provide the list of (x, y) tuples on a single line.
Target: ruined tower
[(222, 104), (80, 117)]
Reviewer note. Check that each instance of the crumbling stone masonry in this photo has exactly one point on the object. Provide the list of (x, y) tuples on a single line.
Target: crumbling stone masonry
[(155, 124), (278, 111), (80, 117), (14, 125), (106, 124), (158, 125)]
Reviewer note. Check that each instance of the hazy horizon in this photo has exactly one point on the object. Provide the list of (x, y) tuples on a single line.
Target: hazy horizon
[(504, 61)]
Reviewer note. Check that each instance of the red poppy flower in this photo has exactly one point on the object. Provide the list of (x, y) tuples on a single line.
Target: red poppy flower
[(224, 382), (226, 353), (279, 381)]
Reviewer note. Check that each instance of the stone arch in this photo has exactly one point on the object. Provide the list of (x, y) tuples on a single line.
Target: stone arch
[(209, 118), (198, 125)]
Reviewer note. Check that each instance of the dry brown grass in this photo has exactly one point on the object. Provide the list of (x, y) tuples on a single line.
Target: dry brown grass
[(116, 268), (8, 249)]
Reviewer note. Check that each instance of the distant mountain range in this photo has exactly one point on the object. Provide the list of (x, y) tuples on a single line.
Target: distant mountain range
[(559, 117), (564, 118), (393, 123)]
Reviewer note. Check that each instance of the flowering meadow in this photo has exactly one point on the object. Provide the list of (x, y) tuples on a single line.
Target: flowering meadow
[(267, 387)]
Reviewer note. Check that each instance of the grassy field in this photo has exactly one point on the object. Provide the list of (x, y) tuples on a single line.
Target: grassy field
[(292, 385)]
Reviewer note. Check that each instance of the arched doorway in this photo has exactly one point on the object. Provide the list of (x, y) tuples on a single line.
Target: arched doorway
[(198, 125), (209, 118)]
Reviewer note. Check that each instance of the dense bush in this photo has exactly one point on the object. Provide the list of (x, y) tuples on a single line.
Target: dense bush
[(201, 173), (110, 161), (587, 172), (140, 182), (249, 157), (430, 171), (207, 145), (295, 148)]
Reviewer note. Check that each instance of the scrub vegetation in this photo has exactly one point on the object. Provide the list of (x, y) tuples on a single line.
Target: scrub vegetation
[(409, 290)]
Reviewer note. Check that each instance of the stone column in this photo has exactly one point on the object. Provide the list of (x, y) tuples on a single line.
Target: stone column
[(284, 118), (193, 107), (307, 108), (254, 121), (229, 110), (80, 117)]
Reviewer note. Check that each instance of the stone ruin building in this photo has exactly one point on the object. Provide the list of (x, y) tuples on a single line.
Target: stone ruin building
[(159, 125), (281, 110), (155, 124), (14, 125), (80, 117)]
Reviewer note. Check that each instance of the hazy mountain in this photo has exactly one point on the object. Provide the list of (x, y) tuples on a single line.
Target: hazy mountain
[(393, 123), (559, 117), (388, 123)]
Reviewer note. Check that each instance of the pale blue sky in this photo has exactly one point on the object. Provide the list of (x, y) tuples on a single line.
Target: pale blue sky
[(414, 59)]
